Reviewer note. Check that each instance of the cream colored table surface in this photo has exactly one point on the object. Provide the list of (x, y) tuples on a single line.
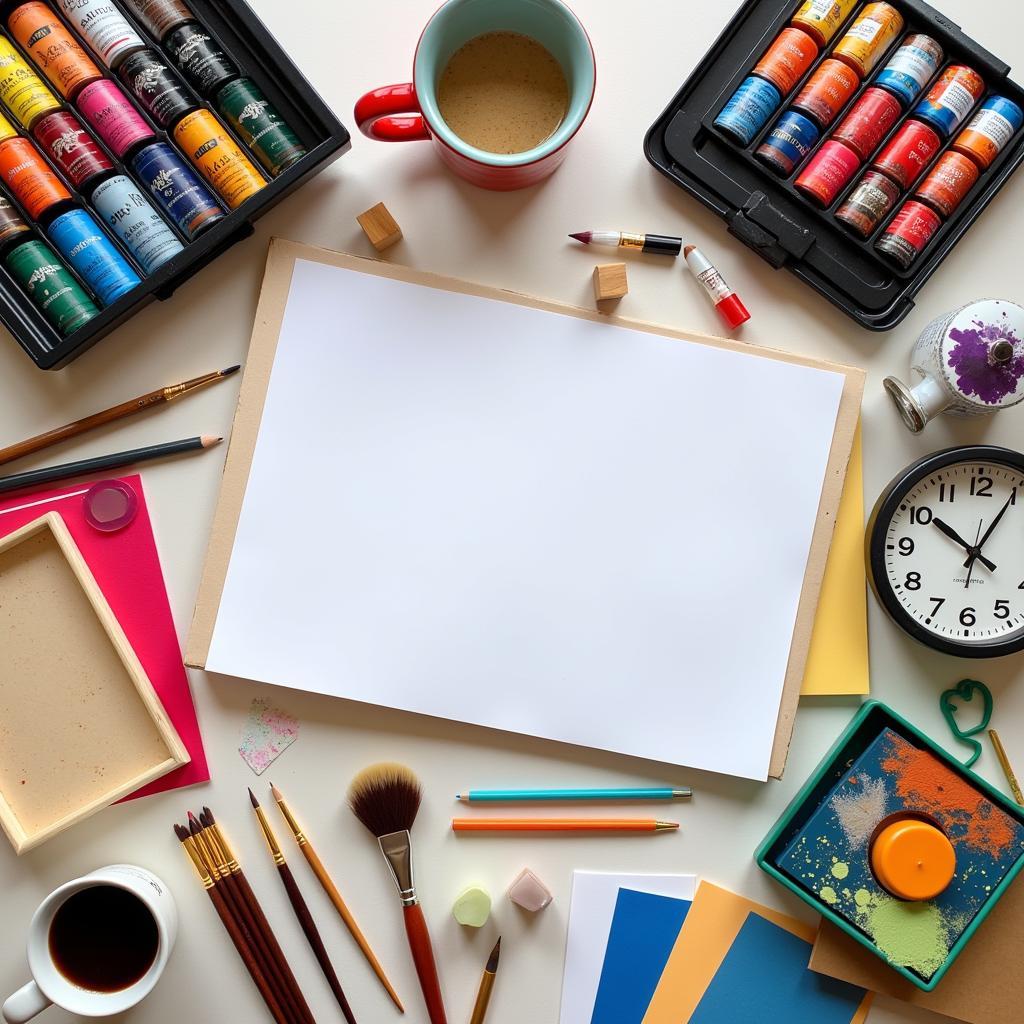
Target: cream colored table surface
[(645, 49)]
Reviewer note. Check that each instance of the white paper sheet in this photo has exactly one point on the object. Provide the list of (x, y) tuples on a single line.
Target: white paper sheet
[(490, 513), (590, 920)]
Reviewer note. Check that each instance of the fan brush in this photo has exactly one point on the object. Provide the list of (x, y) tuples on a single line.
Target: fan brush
[(386, 798)]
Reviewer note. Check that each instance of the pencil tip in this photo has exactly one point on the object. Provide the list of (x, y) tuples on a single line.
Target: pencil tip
[(583, 236), (208, 440), (252, 797), (227, 371)]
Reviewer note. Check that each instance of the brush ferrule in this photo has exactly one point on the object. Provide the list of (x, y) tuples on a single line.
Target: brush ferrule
[(397, 850)]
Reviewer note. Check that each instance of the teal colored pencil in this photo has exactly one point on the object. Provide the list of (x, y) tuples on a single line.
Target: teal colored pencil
[(495, 796)]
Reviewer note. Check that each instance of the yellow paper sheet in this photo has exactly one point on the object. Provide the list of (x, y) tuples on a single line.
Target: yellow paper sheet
[(837, 663), (711, 927)]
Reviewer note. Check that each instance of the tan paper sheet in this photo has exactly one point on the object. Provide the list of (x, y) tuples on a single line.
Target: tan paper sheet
[(984, 986)]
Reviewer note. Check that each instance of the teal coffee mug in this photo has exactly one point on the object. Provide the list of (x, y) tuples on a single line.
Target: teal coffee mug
[(410, 112)]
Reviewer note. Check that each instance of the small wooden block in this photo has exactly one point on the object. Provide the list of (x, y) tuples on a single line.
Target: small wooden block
[(380, 227), (610, 281)]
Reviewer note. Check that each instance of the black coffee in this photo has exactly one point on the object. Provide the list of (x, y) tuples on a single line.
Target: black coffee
[(103, 939)]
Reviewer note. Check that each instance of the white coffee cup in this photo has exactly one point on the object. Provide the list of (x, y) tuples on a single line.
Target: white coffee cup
[(50, 987)]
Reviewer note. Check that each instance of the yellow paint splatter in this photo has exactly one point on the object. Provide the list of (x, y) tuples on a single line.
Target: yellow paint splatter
[(862, 897), (840, 870), (828, 894)]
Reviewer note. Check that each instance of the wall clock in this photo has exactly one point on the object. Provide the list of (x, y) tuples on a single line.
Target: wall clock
[(945, 551)]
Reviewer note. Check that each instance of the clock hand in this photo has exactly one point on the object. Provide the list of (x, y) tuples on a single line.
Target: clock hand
[(954, 536), (969, 564), (995, 523)]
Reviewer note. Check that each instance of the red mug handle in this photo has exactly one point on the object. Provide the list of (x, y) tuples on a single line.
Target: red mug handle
[(391, 114)]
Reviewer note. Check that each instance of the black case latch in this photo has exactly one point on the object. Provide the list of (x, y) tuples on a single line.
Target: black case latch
[(775, 237)]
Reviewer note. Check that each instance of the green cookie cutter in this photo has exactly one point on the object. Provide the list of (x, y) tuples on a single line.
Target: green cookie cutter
[(965, 690)]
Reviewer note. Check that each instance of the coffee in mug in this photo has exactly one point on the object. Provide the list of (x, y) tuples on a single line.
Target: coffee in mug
[(97, 945), (103, 938), (503, 92)]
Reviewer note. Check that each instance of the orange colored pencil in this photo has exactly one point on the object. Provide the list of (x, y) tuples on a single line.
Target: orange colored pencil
[(561, 825)]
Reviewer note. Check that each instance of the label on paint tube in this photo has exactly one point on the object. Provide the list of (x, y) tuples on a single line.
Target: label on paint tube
[(958, 99), (991, 123), (81, 241), (177, 191), (130, 216), (103, 27)]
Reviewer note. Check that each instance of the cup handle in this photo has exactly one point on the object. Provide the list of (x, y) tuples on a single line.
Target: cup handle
[(25, 1004), (391, 114)]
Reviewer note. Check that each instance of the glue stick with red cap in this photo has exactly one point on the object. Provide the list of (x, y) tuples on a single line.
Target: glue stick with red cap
[(726, 301)]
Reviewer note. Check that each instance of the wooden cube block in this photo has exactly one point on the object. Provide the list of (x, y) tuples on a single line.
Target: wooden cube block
[(380, 227), (610, 281)]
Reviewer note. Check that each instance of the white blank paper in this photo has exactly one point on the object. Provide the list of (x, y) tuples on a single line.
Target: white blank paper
[(591, 911), (496, 514)]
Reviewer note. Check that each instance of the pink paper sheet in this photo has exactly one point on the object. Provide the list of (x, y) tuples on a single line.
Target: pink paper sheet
[(127, 568)]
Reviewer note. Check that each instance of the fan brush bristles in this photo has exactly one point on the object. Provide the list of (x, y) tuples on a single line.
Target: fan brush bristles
[(385, 797)]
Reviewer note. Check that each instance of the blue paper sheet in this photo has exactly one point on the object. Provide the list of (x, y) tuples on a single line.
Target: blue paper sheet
[(644, 930), (765, 977)]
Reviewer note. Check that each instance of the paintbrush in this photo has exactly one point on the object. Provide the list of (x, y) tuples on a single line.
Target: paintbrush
[(252, 914), (216, 862), (135, 405), (483, 996), (231, 925), (334, 895), (386, 798), (302, 912)]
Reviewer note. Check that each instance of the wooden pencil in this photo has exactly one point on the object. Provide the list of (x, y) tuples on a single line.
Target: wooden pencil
[(254, 917), (335, 897), (99, 419), (562, 825), (232, 898), (51, 474), (302, 912), (231, 925)]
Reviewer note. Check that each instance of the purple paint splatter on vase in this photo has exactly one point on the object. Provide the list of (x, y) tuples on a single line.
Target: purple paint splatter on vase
[(975, 372)]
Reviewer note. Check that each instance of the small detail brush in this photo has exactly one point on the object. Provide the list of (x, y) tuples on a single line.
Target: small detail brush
[(386, 798), (334, 895), (301, 910)]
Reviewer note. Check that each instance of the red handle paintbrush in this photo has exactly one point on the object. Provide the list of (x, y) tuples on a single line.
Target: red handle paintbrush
[(386, 799)]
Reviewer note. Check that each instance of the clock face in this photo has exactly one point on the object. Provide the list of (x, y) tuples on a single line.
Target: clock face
[(947, 552)]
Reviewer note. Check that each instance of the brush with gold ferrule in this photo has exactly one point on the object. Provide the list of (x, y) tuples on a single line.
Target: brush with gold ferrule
[(386, 798), (335, 897), (302, 912), (231, 925)]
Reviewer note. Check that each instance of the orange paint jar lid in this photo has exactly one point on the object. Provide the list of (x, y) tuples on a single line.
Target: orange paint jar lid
[(913, 859)]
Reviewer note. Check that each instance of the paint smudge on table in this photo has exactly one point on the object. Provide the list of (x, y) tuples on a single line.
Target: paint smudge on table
[(268, 732)]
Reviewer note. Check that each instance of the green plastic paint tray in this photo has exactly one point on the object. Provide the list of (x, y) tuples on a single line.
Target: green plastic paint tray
[(882, 767)]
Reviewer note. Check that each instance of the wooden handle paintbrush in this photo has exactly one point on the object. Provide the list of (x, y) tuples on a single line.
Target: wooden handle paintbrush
[(231, 926), (386, 799), (224, 884), (302, 912), (253, 915), (335, 897), (148, 401)]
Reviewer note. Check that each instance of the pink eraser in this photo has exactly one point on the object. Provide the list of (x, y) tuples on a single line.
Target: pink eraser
[(529, 892)]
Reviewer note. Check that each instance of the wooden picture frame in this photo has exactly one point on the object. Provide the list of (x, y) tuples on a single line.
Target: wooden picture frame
[(82, 725)]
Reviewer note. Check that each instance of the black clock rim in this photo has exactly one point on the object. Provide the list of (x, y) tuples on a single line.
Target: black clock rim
[(887, 503)]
